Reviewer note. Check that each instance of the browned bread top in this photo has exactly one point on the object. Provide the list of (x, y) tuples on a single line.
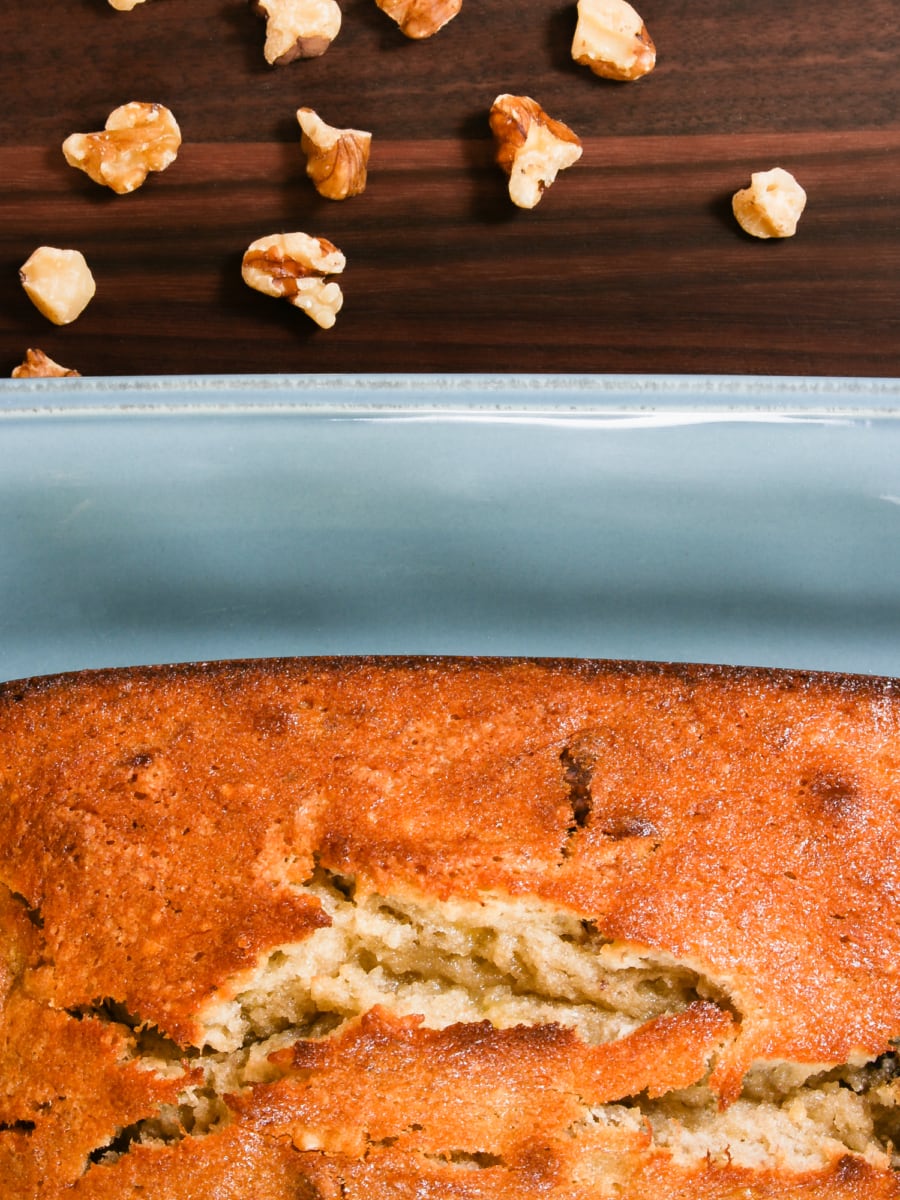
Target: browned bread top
[(477, 927)]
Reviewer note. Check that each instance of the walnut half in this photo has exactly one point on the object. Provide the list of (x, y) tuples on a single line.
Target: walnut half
[(38, 365), (295, 267), (420, 18), (336, 159), (297, 28), (612, 40), (138, 138), (532, 148), (771, 206)]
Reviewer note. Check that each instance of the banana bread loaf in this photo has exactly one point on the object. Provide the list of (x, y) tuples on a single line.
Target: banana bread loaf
[(469, 929)]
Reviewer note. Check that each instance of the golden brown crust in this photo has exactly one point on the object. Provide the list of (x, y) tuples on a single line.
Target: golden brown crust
[(69, 1082), (385, 1175), (365, 1089), (155, 826), (236, 1164)]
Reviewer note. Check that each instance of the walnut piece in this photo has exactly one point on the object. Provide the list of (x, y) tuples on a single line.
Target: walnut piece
[(58, 282), (295, 267), (531, 147), (612, 40), (297, 28), (38, 365), (138, 138), (771, 206), (336, 159), (420, 18)]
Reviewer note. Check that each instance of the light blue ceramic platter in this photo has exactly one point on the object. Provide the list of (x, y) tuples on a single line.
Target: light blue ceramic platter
[(751, 521)]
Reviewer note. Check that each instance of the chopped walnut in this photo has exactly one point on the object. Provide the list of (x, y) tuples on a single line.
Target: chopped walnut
[(138, 138), (420, 18), (336, 159), (298, 28), (38, 365), (531, 147), (58, 282), (295, 267), (612, 40), (771, 206)]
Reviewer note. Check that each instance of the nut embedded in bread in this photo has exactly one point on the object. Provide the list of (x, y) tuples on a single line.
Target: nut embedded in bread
[(449, 927)]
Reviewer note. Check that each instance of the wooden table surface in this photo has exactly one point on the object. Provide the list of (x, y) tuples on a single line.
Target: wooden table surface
[(632, 262)]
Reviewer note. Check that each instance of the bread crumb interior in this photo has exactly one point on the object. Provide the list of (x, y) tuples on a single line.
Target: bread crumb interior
[(508, 962), (513, 962)]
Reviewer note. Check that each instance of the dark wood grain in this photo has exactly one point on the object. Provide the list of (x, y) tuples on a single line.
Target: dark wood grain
[(631, 263)]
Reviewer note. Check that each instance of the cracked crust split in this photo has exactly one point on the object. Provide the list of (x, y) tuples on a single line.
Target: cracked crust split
[(471, 928)]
